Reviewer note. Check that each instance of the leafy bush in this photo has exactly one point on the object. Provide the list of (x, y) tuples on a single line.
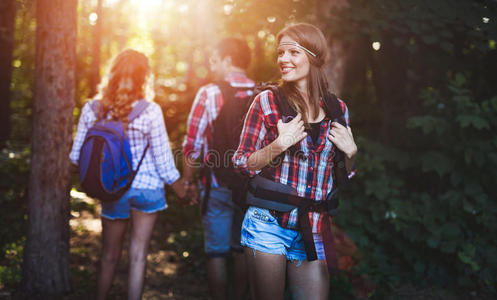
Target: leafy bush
[(10, 271), (426, 212), (14, 171)]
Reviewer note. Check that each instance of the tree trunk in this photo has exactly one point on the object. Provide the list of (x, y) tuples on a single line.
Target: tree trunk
[(335, 68), (95, 53), (46, 256), (348, 50), (389, 66), (346, 59), (7, 18), (338, 55)]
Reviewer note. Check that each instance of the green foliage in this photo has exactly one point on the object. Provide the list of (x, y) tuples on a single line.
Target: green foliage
[(14, 171), (10, 271), (426, 212), (341, 288), (418, 23), (23, 73), (422, 208)]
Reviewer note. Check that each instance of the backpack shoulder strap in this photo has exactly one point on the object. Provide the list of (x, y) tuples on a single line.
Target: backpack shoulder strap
[(285, 111), (284, 108), (332, 106), (333, 109), (335, 113), (138, 109)]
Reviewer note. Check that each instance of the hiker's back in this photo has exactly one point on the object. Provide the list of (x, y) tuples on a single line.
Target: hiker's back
[(146, 128)]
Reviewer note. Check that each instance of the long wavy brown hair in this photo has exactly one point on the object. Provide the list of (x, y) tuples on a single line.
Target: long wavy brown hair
[(125, 83), (310, 37)]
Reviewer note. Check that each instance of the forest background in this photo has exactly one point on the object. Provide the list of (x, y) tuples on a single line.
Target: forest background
[(418, 76)]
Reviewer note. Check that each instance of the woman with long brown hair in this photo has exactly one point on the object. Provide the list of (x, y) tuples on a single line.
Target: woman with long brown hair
[(124, 90), (295, 144)]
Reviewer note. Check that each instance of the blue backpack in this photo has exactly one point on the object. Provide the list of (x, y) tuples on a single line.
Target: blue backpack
[(105, 161)]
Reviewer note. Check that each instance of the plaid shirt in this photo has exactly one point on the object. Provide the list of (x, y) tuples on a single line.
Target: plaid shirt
[(158, 165), (205, 108), (310, 174)]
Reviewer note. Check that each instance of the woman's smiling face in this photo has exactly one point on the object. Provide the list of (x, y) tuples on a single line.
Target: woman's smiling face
[(293, 61)]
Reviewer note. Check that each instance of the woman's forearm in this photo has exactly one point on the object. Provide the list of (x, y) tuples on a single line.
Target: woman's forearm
[(263, 157)]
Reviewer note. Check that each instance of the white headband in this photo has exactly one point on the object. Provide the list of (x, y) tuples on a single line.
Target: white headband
[(299, 46)]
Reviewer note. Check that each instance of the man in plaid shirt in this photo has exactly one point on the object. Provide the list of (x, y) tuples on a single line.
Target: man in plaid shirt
[(222, 219)]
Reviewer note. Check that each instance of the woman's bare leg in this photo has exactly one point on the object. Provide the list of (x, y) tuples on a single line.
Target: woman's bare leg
[(266, 274), (240, 280), (142, 225), (112, 242), (217, 277), (308, 279)]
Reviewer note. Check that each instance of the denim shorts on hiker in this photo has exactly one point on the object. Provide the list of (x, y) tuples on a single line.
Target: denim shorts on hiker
[(261, 232), (144, 200), (222, 224)]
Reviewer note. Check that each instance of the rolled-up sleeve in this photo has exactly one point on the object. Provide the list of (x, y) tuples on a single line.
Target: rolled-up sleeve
[(251, 138)]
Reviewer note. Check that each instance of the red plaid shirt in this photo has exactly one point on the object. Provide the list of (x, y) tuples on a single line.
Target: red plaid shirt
[(205, 108), (310, 174)]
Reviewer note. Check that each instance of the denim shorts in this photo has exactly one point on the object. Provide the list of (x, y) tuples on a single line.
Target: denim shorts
[(261, 232), (222, 224), (144, 200)]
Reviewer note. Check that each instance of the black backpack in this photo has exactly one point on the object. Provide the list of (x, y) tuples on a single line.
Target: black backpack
[(227, 128)]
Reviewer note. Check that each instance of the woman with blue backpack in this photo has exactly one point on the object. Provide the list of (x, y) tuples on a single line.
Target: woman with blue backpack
[(298, 148), (122, 149)]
